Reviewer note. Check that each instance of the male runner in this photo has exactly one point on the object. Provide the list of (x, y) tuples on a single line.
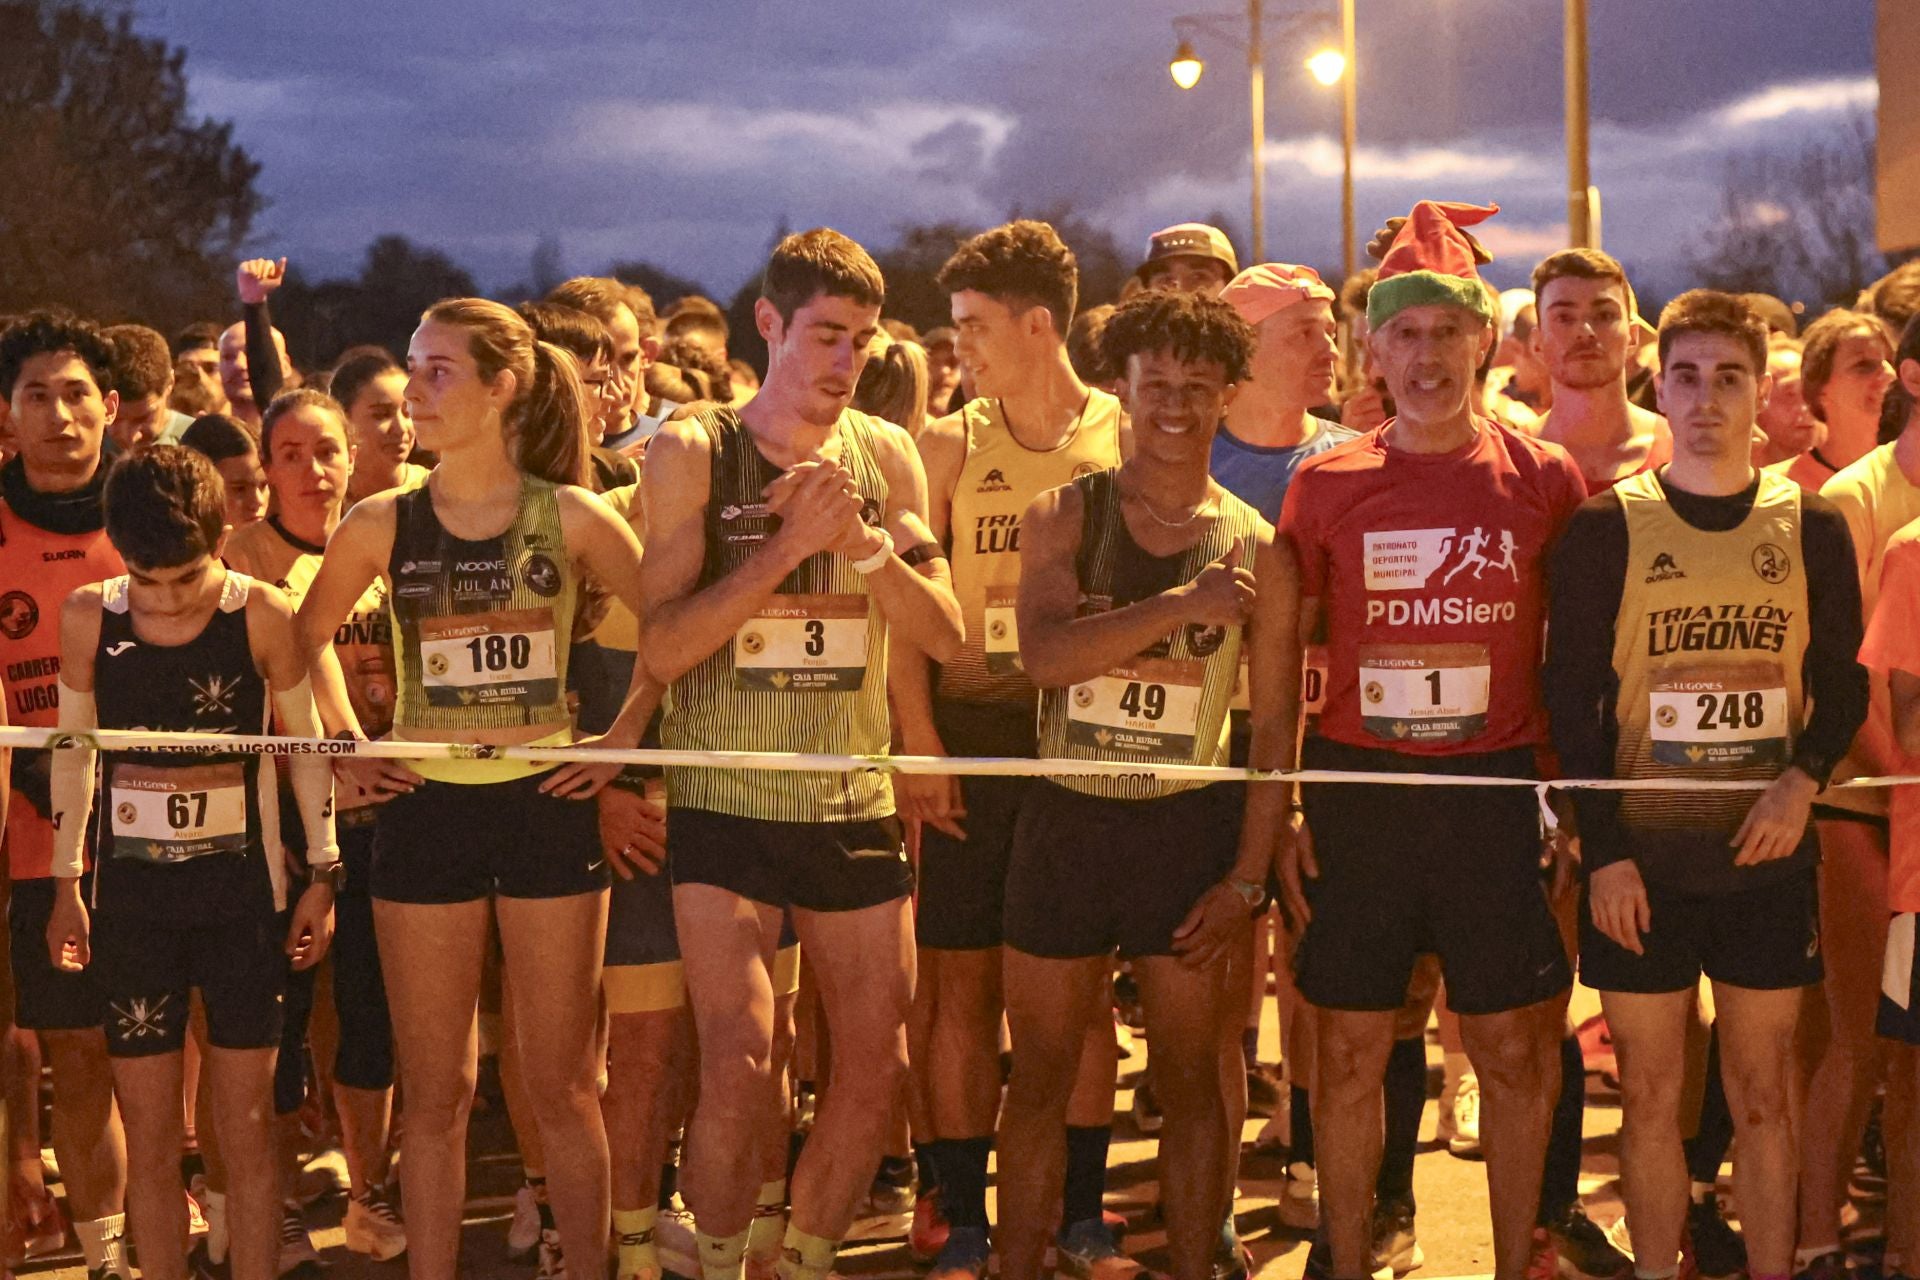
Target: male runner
[(1422, 553), (772, 586), (1136, 585), (56, 376), (1035, 427), (1704, 625), (192, 882), (1188, 257), (1585, 332)]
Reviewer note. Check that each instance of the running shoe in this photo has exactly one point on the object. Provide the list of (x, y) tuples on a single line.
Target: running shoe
[(1232, 1260), (296, 1246), (373, 1228), (1713, 1249), (1394, 1247), (38, 1228), (1828, 1266), (322, 1178), (1543, 1257), (1086, 1250), (1146, 1108), (891, 1191), (202, 1267), (928, 1235), (552, 1264), (1298, 1206), (963, 1257), (523, 1233), (1620, 1237), (1582, 1250), (1459, 1125)]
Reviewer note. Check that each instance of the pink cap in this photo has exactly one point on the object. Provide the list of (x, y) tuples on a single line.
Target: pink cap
[(1271, 287)]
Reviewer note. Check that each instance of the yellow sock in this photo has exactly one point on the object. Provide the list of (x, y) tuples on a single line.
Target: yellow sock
[(639, 1256), (805, 1257), (769, 1221), (721, 1257)]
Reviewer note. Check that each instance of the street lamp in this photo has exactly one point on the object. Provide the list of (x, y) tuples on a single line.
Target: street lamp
[(1327, 66)]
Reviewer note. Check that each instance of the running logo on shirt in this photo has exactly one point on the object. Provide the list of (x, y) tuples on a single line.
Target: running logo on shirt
[(1407, 559)]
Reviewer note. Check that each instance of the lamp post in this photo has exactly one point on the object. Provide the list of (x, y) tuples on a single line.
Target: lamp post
[(1581, 198), (1186, 69)]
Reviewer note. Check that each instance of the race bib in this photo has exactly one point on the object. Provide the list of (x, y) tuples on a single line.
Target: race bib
[(1424, 692), (1313, 683), (804, 644), (503, 658), (1719, 715), (1149, 710), (171, 815), (1000, 632)]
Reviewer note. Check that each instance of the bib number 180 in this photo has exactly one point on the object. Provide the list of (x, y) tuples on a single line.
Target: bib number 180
[(500, 653)]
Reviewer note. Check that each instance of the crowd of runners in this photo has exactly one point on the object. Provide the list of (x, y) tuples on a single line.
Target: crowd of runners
[(1414, 526)]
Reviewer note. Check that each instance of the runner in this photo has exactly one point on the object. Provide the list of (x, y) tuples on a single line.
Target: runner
[(1131, 623), (234, 451), (1697, 611), (1790, 427), (1421, 549), (1188, 257), (372, 388), (192, 884), (55, 375), (304, 435), (1269, 429), (483, 566), (773, 588), (1891, 637), (1844, 373), (1879, 495), (1037, 426), (1588, 325)]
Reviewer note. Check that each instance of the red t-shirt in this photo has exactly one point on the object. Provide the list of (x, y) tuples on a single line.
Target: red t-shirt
[(1893, 644), (1431, 573), (38, 571)]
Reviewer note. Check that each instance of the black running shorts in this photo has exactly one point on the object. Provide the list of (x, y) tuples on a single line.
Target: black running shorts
[(1412, 869), (1766, 938)]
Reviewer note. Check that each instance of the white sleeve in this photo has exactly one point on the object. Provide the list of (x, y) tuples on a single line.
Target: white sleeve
[(72, 785), (312, 775)]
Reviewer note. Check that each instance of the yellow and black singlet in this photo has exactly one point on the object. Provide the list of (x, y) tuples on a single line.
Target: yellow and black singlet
[(806, 673), (998, 481), (1168, 705)]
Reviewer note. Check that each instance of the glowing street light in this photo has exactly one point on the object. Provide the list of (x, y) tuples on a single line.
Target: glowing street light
[(1186, 66), (1328, 66)]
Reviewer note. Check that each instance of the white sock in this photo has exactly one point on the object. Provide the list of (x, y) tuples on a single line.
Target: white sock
[(103, 1243)]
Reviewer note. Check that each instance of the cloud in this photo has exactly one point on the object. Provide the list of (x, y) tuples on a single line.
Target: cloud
[(1802, 97)]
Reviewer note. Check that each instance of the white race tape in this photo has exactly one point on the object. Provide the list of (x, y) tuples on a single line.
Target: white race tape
[(786, 762)]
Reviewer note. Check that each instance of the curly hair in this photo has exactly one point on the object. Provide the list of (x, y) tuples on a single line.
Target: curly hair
[(43, 333), (1023, 264), (1191, 326), (142, 365)]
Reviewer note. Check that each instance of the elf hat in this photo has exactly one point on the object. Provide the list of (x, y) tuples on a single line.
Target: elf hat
[(1272, 287), (1432, 261)]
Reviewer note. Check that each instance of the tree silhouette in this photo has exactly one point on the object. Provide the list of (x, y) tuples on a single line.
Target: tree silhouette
[(119, 203), (398, 280)]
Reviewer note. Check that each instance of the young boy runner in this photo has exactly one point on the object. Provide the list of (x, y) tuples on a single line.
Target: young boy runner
[(191, 884)]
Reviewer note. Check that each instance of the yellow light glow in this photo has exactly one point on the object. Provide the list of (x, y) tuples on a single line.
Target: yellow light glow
[(1327, 66), (1186, 66)]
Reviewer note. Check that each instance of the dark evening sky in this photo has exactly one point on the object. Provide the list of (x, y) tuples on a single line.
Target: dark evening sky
[(683, 134)]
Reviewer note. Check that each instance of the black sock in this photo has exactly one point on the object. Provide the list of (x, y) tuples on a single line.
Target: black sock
[(1560, 1178), (1406, 1095), (1300, 1141), (669, 1183), (1086, 1183), (960, 1166), (1708, 1145), (924, 1167), (1250, 1045)]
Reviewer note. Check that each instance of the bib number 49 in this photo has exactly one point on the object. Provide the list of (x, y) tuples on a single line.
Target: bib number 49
[(1147, 701)]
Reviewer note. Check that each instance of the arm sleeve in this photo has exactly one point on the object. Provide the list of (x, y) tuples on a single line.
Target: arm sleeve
[(1834, 676), (263, 358), (72, 785), (1579, 684), (312, 775)]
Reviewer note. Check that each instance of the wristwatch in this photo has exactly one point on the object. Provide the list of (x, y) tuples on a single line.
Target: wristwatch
[(1251, 891), (332, 874)]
